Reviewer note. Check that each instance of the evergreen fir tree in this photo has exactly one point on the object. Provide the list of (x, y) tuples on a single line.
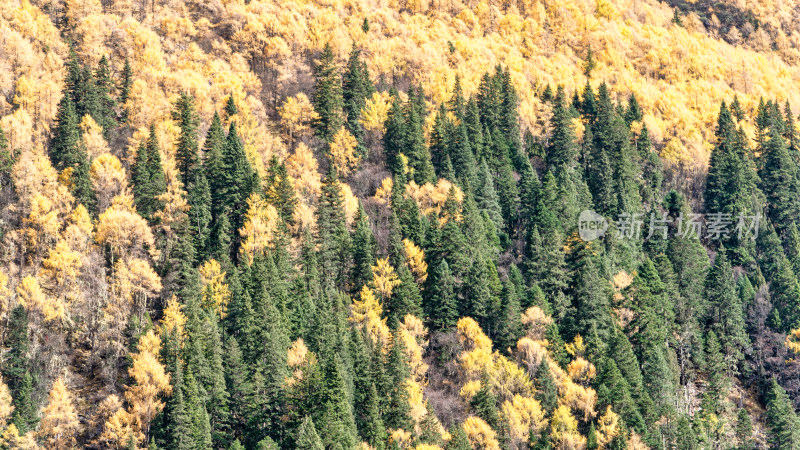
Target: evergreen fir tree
[(327, 97), (441, 305), (546, 392), (356, 87), (307, 437), (186, 151), (781, 419)]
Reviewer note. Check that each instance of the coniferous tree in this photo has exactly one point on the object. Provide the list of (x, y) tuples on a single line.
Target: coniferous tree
[(546, 392), (781, 419), (726, 315), (327, 97), (744, 430), (106, 103), (278, 190), (441, 305), (186, 151), (562, 150), (239, 179), (126, 82), (356, 87), (307, 437), (16, 371), (779, 178)]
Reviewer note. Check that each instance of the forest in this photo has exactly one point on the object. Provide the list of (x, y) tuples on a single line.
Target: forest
[(400, 224)]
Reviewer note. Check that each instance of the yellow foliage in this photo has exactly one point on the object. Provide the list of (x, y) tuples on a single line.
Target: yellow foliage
[(401, 437), (531, 353), (259, 227), (384, 278), (607, 427), (12, 439), (342, 152), (108, 179), (384, 192), (92, 137), (33, 299), (216, 293), (366, 313), (60, 425), (5, 296), (125, 232), (523, 415), (563, 426), (62, 265), (303, 169), (6, 407), (471, 336), (415, 259), (431, 198), (577, 347), (297, 114), (581, 370), (791, 340), (376, 111), (151, 382), (536, 322), (480, 434), (350, 203), (413, 334), (174, 320)]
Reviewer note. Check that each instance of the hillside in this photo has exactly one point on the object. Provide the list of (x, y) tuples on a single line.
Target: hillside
[(363, 224)]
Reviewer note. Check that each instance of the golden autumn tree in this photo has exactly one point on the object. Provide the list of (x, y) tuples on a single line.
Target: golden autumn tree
[(342, 152), (60, 424), (297, 113), (150, 383), (415, 259), (108, 179), (216, 293), (6, 407), (384, 278), (259, 227)]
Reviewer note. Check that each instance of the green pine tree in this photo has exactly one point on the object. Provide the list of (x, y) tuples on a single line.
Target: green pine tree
[(327, 97)]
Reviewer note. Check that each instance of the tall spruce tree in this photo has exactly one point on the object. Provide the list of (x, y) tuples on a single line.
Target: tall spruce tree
[(327, 97)]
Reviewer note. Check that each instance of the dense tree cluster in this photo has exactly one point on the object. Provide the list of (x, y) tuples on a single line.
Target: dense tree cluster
[(410, 273)]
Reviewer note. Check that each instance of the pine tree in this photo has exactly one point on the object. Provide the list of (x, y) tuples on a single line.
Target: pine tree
[(278, 190), (546, 392), (327, 95), (726, 314), (441, 305), (781, 419), (107, 105), (779, 178), (744, 430), (366, 405), (16, 370), (459, 439), (186, 151), (486, 196), (334, 415), (239, 180), (307, 437), (509, 328), (230, 109), (394, 136), (419, 157), (126, 82), (563, 148), (66, 135), (356, 87), (7, 158)]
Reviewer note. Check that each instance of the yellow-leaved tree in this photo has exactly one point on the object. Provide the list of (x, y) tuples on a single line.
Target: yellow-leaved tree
[(216, 293), (259, 227), (384, 278), (342, 152), (60, 424), (150, 383)]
